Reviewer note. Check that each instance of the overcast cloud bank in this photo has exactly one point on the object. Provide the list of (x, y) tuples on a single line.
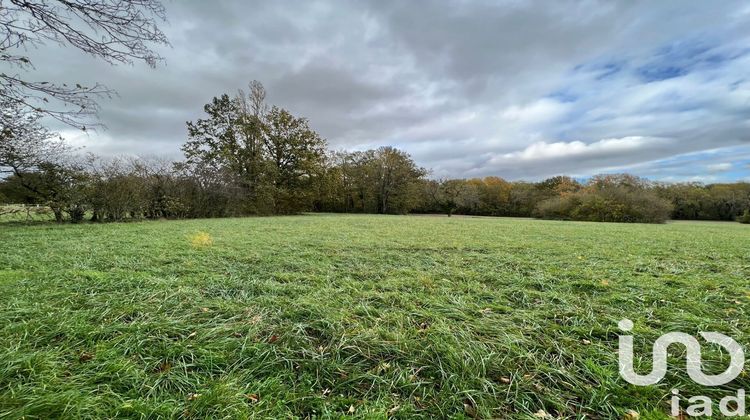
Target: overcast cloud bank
[(519, 89)]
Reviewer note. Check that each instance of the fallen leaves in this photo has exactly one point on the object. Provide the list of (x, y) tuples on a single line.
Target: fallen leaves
[(382, 367), (631, 415), (201, 240), (164, 367), (541, 414), (470, 408)]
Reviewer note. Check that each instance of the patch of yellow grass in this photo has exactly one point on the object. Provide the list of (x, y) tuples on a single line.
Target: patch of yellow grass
[(201, 240)]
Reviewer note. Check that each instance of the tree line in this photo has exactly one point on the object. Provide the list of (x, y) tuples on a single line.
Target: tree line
[(604, 198), (245, 157)]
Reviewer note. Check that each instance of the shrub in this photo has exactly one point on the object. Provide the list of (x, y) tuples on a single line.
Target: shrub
[(76, 213), (557, 208), (745, 218), (612, 204)]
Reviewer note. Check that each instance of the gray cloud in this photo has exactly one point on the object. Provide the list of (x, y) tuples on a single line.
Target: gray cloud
[(469, 88)]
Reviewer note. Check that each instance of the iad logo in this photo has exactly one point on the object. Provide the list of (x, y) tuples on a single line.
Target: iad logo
[(693, 357), (702, 406)]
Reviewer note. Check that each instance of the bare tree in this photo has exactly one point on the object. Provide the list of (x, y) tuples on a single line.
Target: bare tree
[(24, 143), (117, 31)]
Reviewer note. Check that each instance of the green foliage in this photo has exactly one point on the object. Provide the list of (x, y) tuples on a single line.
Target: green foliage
[(307, 316), (76, 213), (272, 158), (745, 218), (297, 158), (491, 196), (608, 198), (59, 187), (385, 181), (707, 202), (452, 195)]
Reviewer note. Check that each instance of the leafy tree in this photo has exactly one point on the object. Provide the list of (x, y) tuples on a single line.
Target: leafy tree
[(396, 179), (453, 194), (271, 156), (690, 200), (706, 202), (609, 198), (359, 169), (524, 197), (297, 156), (559, 185), (494, 195), (729, 200), (385, 180), (229, 142), (115, 191)]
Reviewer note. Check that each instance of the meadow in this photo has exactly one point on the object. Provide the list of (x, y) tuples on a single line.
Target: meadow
[(358, 315)]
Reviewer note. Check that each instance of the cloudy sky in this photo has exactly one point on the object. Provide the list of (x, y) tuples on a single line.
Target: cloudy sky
[(519, 89)]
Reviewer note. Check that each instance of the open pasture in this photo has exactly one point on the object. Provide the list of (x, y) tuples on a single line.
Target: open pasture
[(365, 316)]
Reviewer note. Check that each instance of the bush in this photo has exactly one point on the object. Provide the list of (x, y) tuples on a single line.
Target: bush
[(615, 204), (76, 213), (557, 208), (745, 218)]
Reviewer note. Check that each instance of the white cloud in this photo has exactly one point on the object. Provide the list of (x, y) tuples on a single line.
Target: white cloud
[(719, 167), (544, 110), (560, 150)]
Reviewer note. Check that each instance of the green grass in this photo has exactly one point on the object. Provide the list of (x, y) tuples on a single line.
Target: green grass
[(370, 316), (25, 214)]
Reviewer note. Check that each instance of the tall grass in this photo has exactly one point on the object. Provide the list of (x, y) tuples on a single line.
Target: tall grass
[(364, 316)]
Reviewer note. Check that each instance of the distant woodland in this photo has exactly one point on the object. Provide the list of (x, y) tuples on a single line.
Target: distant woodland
[(246, 157)]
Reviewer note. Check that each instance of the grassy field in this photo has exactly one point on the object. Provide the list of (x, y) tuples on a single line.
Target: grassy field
[(25, 214), (365, 316)]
